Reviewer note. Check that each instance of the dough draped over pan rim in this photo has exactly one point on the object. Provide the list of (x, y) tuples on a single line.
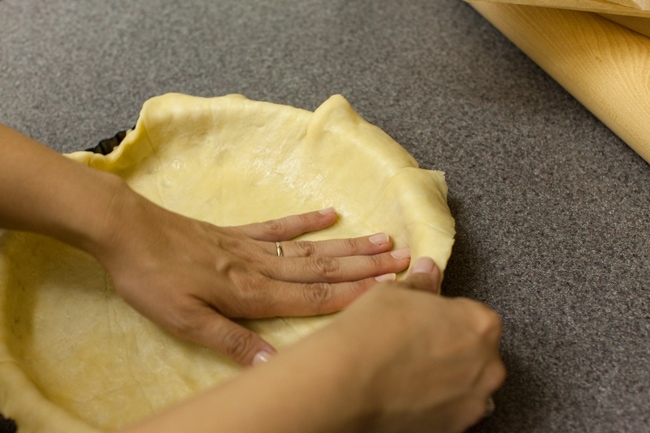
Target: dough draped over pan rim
[(75, 358)]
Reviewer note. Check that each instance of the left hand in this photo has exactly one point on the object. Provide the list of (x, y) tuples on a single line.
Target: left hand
[(191, 277)]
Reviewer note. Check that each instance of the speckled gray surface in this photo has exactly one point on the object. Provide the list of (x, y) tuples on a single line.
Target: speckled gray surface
[(552, 209)]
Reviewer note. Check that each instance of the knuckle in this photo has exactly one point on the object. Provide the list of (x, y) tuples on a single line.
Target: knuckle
[(237, 343), (245, 300), (303, 219), (252, 302), (485, 321), (306, 248), (490, 323), (352, 246), (492, 378), (225, 264), (377, 260), (327, 267), (235, 270), (185, 323), (274, 227), (318, 295), (498, 375)]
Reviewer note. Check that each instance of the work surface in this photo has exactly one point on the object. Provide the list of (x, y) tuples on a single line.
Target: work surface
[(552, 209)]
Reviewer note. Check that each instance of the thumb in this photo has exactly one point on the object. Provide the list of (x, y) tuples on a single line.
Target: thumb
[(218, 333), (424, 275)]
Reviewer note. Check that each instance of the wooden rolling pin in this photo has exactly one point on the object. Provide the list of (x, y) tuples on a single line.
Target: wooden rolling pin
[(604, 65), (600, 6), (638, 24)]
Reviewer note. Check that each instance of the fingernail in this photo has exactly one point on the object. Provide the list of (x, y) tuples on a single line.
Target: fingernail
[(261, 357), (423, 265), (328, 211), (402, 253), (379, 239), (386, 277)]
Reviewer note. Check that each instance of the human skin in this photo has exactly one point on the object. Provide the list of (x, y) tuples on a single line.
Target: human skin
[(399, 359), (188, 276)]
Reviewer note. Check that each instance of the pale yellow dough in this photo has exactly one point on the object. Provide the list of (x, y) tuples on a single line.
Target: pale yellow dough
[(75, 358)]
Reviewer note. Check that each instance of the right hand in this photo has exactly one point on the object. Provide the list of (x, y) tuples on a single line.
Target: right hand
[(428, 363), (397, 359)]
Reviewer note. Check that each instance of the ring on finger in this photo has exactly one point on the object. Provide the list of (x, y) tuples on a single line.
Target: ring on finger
[(278, 249)]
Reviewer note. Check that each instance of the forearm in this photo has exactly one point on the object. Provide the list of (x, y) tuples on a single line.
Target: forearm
[(44, 192), (306, 389), (395, 360)]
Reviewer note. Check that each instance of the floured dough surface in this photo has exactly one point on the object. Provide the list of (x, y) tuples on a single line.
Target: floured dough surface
[(75, 358)]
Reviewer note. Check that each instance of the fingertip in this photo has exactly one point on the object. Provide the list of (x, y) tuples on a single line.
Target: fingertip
[(380, 239), (236, 342), (263, 356), (327, 211), (386, 277), (260, 354), (425, 267), (401, 253), (327, 217), (321, 219)]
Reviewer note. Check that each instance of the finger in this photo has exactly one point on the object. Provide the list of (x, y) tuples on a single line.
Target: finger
[(424, 275), (210, 329), (311, 299), (470, 411), (289, 227), (338, 269), (483, 320), (361, 246), (493, 376)]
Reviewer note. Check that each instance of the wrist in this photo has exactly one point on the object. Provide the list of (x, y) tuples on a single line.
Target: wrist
[(374, 333), (333, 360), (80, 208), (120, 209), (87, 225), (336, 368), (311, 387)]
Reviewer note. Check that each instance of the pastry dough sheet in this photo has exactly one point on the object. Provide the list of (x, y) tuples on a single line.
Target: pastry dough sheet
[(74, 357)]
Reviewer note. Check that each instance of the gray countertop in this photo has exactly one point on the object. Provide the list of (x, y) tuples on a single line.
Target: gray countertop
[(552, 209)]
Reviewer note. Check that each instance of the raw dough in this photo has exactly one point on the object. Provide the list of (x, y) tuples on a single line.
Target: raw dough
[(75, 358)]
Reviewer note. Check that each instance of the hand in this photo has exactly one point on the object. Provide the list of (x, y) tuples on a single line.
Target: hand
[(397, 359), (190, 277), (428, 363)]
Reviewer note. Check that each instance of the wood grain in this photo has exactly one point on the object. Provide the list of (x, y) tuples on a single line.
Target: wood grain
[(599, 6), (640, 4), (638, 24), (602, 64)]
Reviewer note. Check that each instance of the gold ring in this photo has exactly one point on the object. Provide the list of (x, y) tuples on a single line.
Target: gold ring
[(278, 249)]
